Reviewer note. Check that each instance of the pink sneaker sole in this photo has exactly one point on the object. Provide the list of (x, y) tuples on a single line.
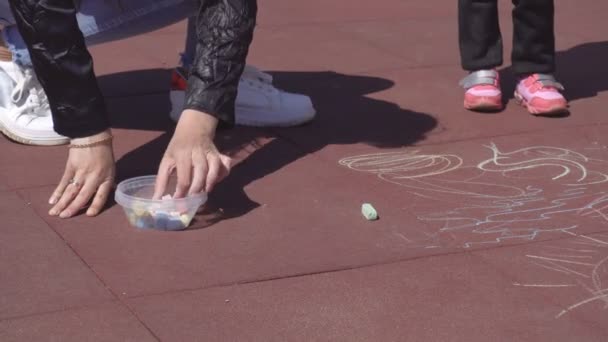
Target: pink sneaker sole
[(483, 103), (551, 108)]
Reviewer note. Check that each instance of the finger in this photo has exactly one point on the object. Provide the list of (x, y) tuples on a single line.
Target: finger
[(162, 179), (100, 198), (226, 167), (65, 180), (68, 195), (81, 200), (184, 175), (199, 174), (215, 164), (226, 161), (224, 171)]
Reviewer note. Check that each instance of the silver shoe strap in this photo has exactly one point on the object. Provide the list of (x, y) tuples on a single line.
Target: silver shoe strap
[(481, 77), (549, 81)]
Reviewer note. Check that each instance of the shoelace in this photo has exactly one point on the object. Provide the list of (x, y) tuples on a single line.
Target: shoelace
[(36, 104), (258, 79)]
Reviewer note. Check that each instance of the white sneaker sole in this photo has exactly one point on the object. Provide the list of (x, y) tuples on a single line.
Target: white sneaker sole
[(28, 139)]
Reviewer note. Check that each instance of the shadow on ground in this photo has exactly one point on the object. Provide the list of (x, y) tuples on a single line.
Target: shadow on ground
[(346, 115), (581, 69)]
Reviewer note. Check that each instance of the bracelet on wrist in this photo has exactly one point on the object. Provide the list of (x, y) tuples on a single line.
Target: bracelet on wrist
[(101, 141)]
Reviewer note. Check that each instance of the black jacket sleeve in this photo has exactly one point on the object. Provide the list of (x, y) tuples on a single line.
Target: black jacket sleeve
[(225, 31), (63, 65)]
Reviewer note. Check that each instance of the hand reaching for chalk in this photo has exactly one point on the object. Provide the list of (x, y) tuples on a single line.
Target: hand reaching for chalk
[(193, 156)]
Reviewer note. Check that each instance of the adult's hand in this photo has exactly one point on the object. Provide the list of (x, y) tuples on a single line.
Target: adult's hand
[(194, 157), (89, 174)]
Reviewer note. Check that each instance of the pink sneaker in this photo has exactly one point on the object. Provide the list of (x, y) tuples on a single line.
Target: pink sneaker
[(540, 94), (482, 91)]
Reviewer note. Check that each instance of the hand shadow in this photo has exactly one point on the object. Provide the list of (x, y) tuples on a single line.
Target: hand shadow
[(580, 69), (345, 115)]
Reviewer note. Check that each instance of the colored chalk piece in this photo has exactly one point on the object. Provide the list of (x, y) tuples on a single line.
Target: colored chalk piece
[(140, 223), (161, 220), (139, 211), (132, 218), (185, 220), (146, 221), (369, 212), (175, 224)]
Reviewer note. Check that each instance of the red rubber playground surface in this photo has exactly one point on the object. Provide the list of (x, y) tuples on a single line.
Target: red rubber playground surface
[(493, 227)]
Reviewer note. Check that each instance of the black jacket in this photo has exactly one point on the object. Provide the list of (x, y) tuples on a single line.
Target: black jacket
[(65, 67)]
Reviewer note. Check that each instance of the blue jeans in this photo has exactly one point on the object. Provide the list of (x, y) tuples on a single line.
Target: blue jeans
[(106, 20)]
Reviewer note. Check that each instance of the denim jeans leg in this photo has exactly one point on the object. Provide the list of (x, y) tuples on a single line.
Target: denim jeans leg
[(104, 21)]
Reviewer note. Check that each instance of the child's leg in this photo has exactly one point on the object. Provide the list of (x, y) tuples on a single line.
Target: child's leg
[(480, 52), (479, 34), (534, 58), (533, 37)]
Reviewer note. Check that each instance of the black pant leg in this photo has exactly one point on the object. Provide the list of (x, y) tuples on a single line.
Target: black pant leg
[(479, 34), (533, 37)]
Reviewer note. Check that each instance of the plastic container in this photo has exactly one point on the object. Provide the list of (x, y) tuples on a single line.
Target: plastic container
[(135, 197)]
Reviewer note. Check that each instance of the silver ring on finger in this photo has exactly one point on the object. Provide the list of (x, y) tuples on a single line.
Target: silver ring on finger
[(75, 183)]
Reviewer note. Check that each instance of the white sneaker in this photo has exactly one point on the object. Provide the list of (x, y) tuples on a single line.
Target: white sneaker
[(25, 115), (258, 102)]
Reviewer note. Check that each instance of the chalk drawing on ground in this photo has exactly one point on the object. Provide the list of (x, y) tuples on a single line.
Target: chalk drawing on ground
[(516, 194), (510, 196), (583, 264)]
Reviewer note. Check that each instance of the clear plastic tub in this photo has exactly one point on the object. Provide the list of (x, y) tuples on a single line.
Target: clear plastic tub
[(135, 197)]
